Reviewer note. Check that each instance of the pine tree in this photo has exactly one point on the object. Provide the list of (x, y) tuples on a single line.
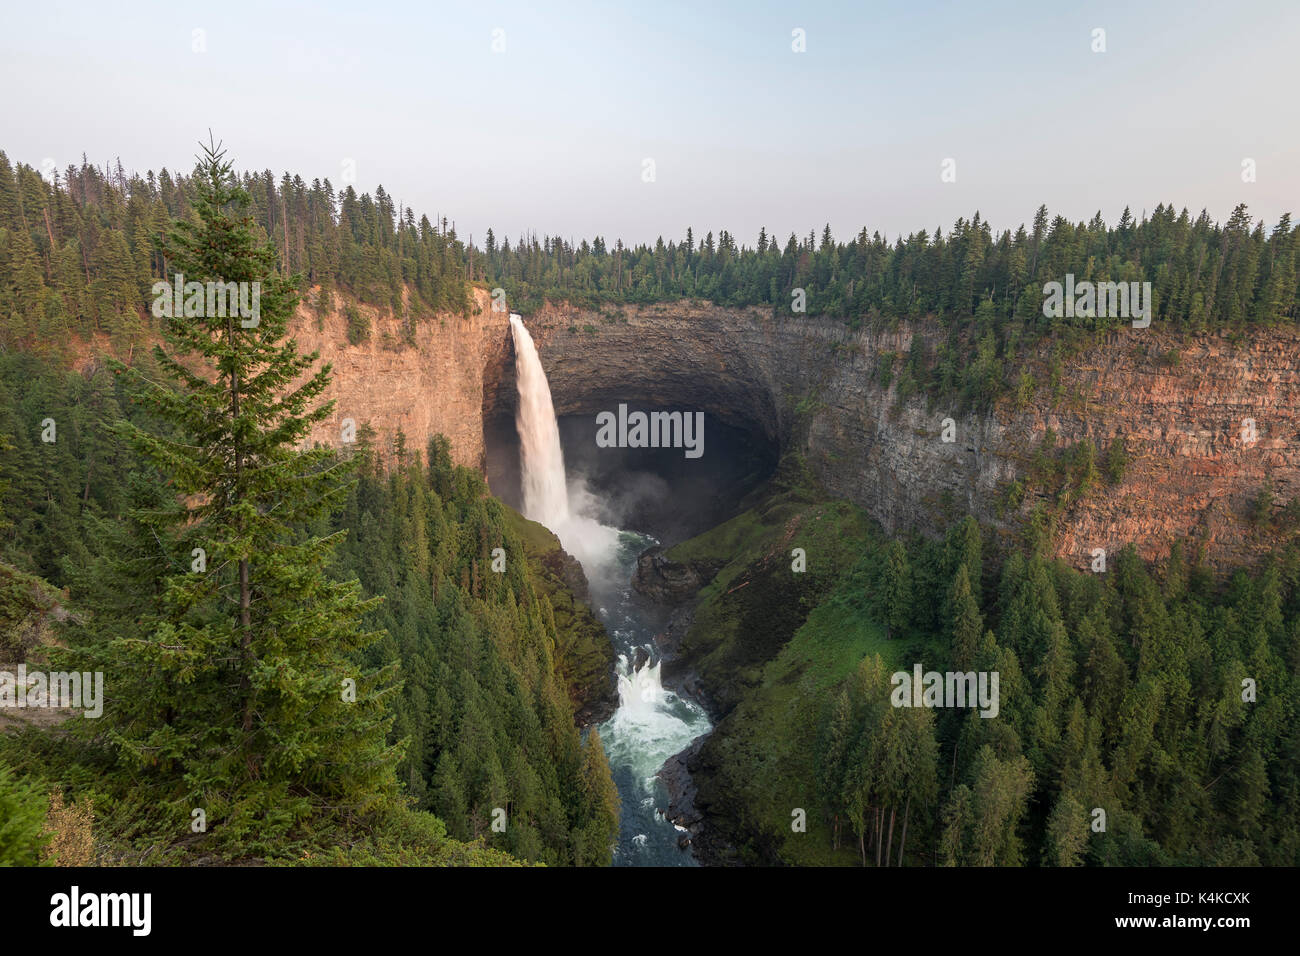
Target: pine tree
[(967, 624), (601, 803), (964, 547), (831, 758), (1067, 832), (1000, 794), (897, 589), (919, 765)]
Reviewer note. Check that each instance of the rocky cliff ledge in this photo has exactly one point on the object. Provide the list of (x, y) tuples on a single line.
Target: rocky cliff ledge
[(813, 386)]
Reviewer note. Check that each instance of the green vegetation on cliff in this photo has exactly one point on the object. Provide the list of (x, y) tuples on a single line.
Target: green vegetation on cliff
[(488, 700), (79, 254)]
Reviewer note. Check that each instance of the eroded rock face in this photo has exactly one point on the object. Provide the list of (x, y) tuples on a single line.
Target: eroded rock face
[(813, 386), (688, 356), (433, 386)]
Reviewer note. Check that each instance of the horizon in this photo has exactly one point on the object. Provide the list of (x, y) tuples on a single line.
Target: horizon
[(800, 236), (853, 130)]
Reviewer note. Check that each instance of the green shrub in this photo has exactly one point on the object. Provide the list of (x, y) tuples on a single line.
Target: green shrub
[(358, 325), (1116, 460), (22, 818)]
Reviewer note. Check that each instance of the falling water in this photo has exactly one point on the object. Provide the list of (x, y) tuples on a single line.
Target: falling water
[(651, 723), (546, 500), (546, 495)]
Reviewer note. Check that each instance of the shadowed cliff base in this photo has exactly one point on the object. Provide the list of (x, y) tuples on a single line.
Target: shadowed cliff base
[(656, 491)]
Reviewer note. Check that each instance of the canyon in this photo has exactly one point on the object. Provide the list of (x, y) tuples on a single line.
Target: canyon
[(814, 387)]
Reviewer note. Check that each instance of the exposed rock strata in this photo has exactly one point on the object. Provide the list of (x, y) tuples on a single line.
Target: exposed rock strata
[(814, 386)]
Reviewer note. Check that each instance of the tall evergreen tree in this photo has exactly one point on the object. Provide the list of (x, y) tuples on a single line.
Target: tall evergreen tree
[(897, 589), (244, 696), (967, 625), (601, 802)]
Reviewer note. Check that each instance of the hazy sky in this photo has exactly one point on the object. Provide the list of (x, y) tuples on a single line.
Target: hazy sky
[(551, 133)]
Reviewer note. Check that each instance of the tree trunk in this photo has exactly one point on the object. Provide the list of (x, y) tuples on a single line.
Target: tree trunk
[(902, 839), (49, 262), (889, 850), (880, 831), (862, 843)]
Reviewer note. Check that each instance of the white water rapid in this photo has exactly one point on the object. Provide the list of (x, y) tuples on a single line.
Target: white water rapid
[(651, 724)]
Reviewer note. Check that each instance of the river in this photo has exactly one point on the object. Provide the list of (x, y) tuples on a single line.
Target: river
[(650, 725)]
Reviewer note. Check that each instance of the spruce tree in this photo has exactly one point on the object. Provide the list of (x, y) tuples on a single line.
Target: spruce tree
[(830, 760), (897, 590), (244, 697), (601, 803), (966, 623)]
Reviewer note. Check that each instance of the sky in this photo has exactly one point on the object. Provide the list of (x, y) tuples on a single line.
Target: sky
[(638, 119)]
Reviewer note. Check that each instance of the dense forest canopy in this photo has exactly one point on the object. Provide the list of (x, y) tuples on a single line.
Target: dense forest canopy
[(1146, 714), (1134, 693), (484, 706), (79, 252)]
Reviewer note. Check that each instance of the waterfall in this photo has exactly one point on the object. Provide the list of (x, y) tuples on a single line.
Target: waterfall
[(545, 485), (651, 723), (546, 499), (640, 691)]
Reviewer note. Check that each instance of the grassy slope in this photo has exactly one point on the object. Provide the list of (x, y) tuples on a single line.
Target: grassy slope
[(773, 646), (754, 605)]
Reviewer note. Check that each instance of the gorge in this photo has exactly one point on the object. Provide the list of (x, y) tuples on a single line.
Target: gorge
[(703, 616), (789, 387)]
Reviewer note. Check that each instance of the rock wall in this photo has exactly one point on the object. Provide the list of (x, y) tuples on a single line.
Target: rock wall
[(814, 386), (433, 385)]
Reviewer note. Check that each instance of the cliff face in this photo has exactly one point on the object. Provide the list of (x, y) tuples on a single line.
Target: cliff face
[(433, 385), (814, 387)]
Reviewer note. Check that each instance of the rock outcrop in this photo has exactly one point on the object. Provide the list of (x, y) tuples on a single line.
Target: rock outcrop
[(668, 583)]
